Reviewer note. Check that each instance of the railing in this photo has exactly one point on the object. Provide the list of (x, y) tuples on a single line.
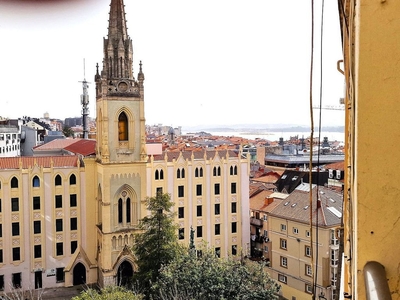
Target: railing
[(376, 284), (256, 222)]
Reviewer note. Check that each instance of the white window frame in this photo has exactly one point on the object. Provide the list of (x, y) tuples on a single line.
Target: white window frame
[(284, 262), (307, 251), (283, 227), (309, 288), (308, 233), (308, 270), (283, 244), (282, 278), (295, 230)]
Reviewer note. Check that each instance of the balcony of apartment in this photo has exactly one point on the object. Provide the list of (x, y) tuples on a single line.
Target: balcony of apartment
[(256, 222)]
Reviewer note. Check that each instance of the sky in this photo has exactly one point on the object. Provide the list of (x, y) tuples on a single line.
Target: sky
[(208, 62)]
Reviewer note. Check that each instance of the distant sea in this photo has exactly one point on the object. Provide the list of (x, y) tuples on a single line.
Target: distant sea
[(274, 136)]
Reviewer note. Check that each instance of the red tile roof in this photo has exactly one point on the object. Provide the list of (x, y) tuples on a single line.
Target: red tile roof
[(57, 144), (83, 147), (41, 161)]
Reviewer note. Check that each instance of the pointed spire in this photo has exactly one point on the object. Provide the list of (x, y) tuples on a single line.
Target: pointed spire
[(117, 22)]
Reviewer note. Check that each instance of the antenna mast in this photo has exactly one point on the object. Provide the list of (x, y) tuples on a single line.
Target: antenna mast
[(85, 104)]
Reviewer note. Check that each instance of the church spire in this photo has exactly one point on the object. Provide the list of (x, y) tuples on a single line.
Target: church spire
[(117, 22)]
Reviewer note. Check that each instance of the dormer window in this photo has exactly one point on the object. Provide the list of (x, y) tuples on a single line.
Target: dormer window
[(123, 127)]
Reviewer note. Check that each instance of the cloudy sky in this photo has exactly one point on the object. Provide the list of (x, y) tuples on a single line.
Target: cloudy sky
[(216, 62)]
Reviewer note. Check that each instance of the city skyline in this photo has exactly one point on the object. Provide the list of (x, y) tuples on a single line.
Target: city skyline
[(210, 63)]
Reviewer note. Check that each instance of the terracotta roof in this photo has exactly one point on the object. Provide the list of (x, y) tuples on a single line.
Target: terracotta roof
[(57, 144), (27, 162), (83, 147), (196, 154), (258, 200), (335, 166)]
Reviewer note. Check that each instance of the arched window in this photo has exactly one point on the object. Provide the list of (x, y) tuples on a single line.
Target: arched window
[(156, 175), (178, 173), (219, 171), (120, 210), (201, 172), (183, 173), (14, 183), (72, 179), (215, 171), (35, 182), (128, 210), (57, 180), (161, 174), (123, 127), (196, 172), (231, 170), (235, 170)]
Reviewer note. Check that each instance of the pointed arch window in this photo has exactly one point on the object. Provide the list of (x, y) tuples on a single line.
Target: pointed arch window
[(72, 179), (196, 172), (178, 173), (14, 183), (201, 172), (183, 173), (119, 210), (157, 175), (123, 127), (128, 210), (161, 174), (35, 182), (57, 180)]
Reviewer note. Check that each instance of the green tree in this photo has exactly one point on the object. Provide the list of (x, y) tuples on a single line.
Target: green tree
[(67, 131), (108, 293), (208, 277), (157, 243)]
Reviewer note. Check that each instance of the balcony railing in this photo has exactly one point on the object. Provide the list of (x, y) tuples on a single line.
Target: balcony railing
[(256, 222)]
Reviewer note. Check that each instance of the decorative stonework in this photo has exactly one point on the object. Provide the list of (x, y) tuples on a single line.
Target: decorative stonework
[(234, 239), (37, 216), (59, 237), (234, 199), (181, 203), (217, 200), (1, 244), (217, 220), (15, 217), (181, 224), (199, 222), (38, 265), (37, 240), (74, 213), (234, 218), (217, 242), (74, 236), (15, 242), (59, 213), (199, 201)]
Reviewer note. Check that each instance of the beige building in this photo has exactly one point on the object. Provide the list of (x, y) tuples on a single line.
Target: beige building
[(69, 220), (304, 258)]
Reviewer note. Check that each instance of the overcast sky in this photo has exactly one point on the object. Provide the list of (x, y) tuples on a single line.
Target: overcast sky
[(220, 62)]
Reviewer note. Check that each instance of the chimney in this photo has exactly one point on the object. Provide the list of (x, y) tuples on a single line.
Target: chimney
[(319, 203), (269, 200)]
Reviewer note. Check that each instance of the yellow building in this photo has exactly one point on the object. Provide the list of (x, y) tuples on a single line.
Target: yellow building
[(371, 48), (71, 220)]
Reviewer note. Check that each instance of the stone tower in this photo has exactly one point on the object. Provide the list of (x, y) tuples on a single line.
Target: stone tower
[(120, 152)]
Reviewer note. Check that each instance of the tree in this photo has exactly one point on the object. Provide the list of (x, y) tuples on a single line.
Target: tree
[(67, 131), (108, 293), (206, 276), (157, 243)]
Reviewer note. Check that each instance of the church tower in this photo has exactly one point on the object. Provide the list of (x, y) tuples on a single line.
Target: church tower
[(120, 152)]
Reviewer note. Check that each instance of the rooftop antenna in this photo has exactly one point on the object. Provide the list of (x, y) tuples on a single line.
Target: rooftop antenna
[(85, 103)]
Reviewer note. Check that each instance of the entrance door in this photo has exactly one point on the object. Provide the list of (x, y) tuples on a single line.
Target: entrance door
[(38, 280), (125, 274), (79, 274)]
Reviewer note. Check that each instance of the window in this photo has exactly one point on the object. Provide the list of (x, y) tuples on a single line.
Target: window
[(36, 203), (307, 233), (16, 254), (35, 182), (233, 207), (159, 190), (16, 280), (283, 227), (72, 200), (217, 171), (234, 227), (36, 227), (283, 262), (57, 180), (234, 250), (37, 251), (308, 270), (217, 209), (180, 173), (307, 251), (218, 252), (181, 191), (1, 282), (122, 127), (128, 210), (74, 224), (199, 210), (0, 202), (58, 200), (15, 229), (217, 230), (198, 172), (74, 245), (265, 218), (59, 225), (14, 183), (59, 249), (119, 210), (199, 231), (308, 288), (283, 244), (198, 190), (181, 233), (1, 230), (216, 189), (1, 256), (60, 275), (295, 230), (14, 204), (72, 179), (282, 278), (233, 187), (266, 249), (181, 212)]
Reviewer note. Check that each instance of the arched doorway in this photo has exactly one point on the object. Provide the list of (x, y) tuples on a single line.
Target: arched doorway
[(79, 274), (125, 274)]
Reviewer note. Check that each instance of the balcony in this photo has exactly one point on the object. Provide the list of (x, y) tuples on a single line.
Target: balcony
[(256, 222)]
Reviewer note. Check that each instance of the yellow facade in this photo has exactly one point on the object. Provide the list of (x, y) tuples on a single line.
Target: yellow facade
[(370, 32)]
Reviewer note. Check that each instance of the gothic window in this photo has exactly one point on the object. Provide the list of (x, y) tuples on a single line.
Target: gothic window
[(161, 174), (201, 172), (128, 210), (14, 183), (219, 171), (183, 173), (178, 173), (196, 172), (123, 127), (57, 180), (157, 175), (72, 179), (35, 182), (120, 210)]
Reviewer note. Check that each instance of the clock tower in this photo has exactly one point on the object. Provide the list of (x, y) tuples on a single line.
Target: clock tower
[(120, 152)]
